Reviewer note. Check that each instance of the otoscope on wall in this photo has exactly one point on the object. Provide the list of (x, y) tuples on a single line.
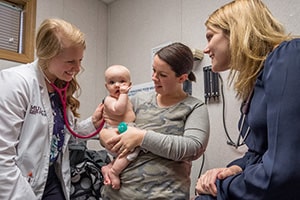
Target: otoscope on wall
[(211, 84)]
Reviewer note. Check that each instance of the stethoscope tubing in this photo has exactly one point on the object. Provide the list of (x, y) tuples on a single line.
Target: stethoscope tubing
[(62, 92)]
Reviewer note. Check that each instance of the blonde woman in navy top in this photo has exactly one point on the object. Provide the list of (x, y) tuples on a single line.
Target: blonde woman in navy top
[(264, 64)]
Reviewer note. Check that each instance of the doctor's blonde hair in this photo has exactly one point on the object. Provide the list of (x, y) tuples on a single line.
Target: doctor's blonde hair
[(52, 37)]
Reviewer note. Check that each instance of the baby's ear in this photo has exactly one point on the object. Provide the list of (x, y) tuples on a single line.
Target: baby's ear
[(130, 83)]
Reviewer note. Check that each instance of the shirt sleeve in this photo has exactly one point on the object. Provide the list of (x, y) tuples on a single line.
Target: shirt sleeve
[(189, 146)]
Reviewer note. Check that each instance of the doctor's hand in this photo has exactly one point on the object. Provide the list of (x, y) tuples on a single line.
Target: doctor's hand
[(127, 141), (207, 182), (97, 116)]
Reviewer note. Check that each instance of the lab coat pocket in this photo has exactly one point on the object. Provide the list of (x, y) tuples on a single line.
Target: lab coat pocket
[(26, 167)]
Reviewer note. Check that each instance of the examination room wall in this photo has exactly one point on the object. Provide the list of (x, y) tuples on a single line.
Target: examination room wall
[(91, 17), (137, 26)]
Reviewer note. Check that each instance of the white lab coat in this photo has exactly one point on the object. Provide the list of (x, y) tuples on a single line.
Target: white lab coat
[(26, 127)]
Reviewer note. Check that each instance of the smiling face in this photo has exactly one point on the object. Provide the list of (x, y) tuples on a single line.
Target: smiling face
[(65, 65), (165, 80), (218, 49)]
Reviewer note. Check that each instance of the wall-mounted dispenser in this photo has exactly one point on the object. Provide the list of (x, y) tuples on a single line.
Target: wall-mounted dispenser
[(198, 54)]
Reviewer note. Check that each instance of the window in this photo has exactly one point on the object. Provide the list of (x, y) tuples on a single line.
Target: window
[(17, 22)]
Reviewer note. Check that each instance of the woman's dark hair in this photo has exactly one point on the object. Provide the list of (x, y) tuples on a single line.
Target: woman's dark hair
[(180, 58)]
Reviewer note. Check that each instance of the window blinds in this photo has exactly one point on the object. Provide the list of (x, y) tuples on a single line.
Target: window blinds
[(11, 23)]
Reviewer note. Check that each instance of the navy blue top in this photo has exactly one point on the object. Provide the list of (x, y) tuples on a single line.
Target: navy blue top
[(271, 166)]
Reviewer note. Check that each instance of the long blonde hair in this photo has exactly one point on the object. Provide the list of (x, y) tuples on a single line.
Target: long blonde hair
[(52, 37), (253, 32)]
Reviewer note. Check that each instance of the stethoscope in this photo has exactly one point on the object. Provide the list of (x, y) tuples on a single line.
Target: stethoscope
[(244, 110), (62, 92)]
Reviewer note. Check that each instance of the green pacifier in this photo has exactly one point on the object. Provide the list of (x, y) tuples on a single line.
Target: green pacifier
[(122, 127)]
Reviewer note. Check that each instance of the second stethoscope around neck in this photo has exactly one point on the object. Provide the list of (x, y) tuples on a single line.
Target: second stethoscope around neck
[(62, 92), (244, 110), (243, 126)]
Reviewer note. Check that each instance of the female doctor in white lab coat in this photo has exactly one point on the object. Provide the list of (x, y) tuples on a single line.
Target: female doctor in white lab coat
[(34, 158)]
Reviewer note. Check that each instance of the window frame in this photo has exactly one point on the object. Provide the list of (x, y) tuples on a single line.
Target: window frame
[(29, 34)]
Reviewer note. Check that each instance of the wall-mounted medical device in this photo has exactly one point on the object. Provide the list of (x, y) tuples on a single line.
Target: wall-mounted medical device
[(211, 84), (198, 54)]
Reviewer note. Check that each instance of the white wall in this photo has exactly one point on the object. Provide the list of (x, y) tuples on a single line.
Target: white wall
[(137, 26)]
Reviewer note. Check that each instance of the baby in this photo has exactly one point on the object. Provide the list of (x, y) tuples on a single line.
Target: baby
[(117, 109)]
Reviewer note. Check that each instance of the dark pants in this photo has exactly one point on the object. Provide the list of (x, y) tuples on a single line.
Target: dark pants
[(53, 190)]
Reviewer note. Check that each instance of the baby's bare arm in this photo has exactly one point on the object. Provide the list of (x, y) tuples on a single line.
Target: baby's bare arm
[(117, 106)]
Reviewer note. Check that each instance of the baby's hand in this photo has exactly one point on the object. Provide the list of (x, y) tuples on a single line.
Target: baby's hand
[(124, 89)]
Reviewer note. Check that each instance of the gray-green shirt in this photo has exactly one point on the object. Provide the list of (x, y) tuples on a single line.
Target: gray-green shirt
[(176, 136)]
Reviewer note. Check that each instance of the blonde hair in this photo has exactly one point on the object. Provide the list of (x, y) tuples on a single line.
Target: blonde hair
[(253, 32), (52, 37)]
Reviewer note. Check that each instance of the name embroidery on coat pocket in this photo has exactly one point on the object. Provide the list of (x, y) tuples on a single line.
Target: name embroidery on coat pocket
[(37, 110)]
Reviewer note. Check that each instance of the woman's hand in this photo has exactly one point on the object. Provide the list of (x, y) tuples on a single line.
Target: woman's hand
[(97, 116), (230, 171), (127, 141), (207, 182)]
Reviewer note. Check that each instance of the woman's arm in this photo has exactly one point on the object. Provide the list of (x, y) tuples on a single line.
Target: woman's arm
[(89, 125), (188, 146)]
